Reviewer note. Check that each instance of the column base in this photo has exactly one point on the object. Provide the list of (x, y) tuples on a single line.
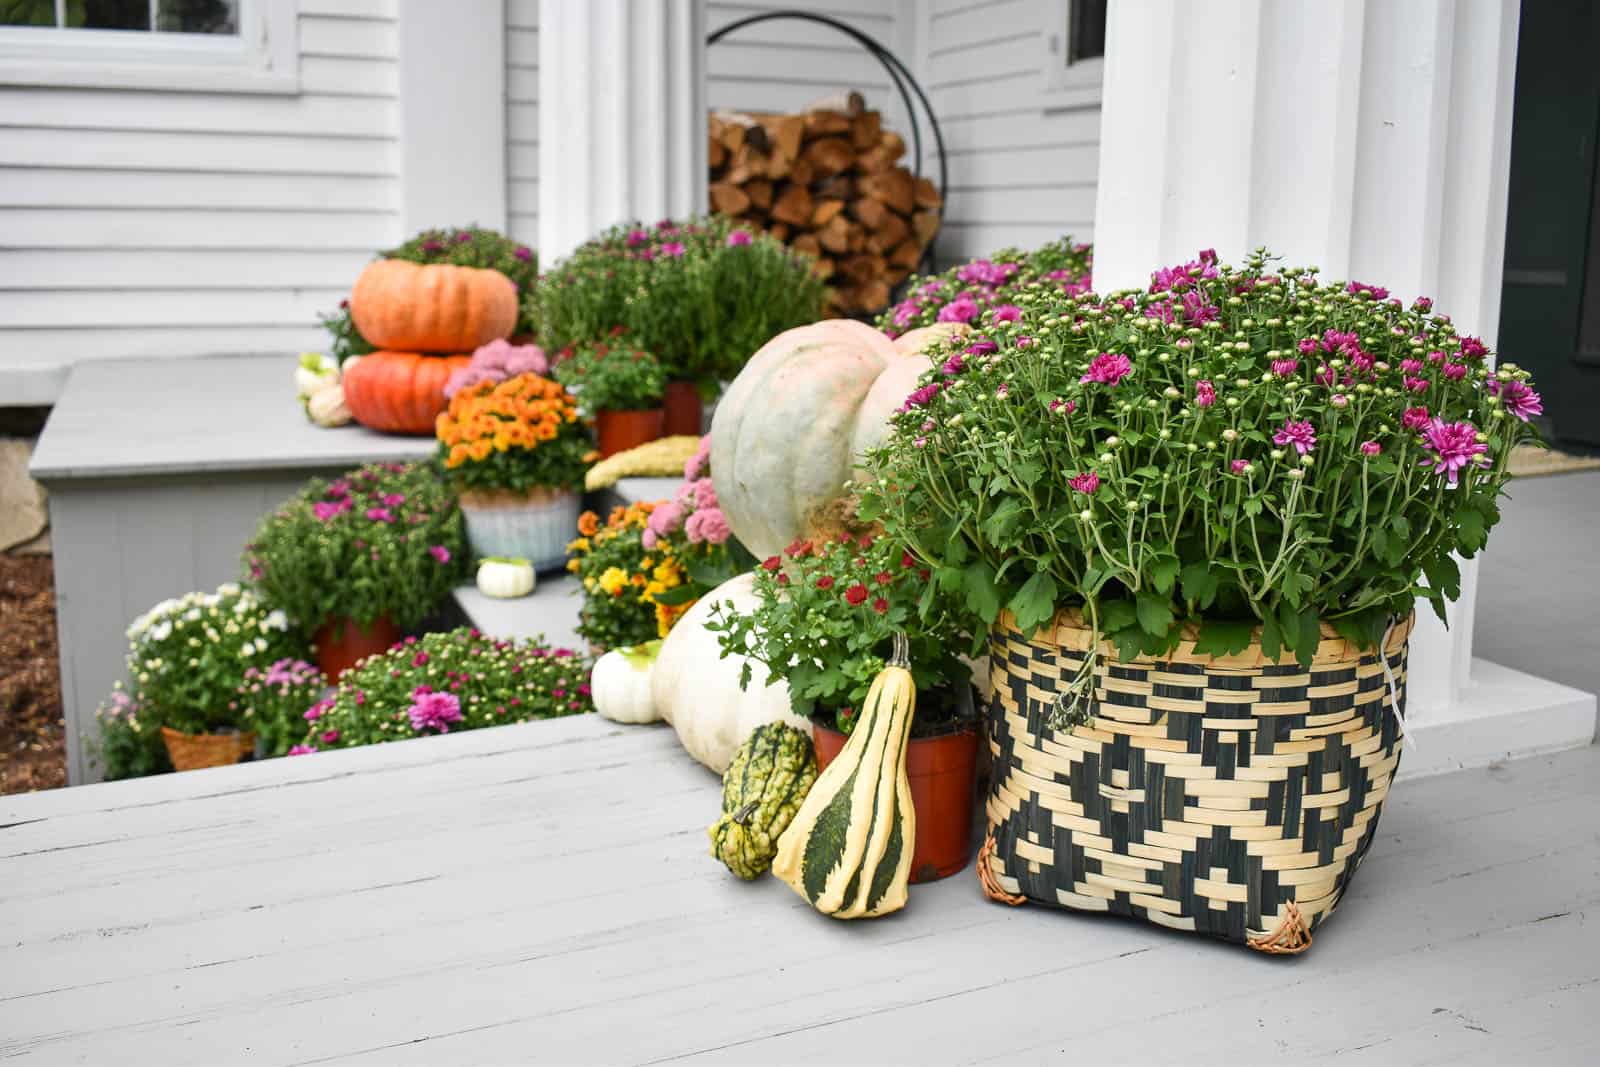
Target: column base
[(1501, 714)]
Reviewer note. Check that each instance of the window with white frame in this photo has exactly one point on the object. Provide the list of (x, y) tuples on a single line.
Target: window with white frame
[(1075, 42), (147, 16), (216, 45)]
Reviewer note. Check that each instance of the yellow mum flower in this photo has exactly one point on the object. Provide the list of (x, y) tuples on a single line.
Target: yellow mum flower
[(613, 580)]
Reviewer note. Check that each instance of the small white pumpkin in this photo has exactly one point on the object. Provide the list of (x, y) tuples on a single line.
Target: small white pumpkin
[(697, 690), (505, 579), (326, 406), (620, 683)]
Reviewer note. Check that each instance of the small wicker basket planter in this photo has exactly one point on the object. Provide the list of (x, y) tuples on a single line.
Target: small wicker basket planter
[(191, 752), (1229, 796)]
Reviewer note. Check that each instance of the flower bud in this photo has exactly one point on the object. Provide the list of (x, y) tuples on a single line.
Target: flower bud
[(1306, 460), (1296, 473), (1276, 453), (1165, 434), (1132, 505), (1230, 434), (1085, 514), (1106, 457)]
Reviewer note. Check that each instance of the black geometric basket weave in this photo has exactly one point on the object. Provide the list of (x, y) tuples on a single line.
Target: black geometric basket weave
[(1229, 796)]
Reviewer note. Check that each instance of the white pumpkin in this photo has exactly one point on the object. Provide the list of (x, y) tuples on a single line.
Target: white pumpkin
[(505, 579), (789, 431), (697, 691), (620, 684)]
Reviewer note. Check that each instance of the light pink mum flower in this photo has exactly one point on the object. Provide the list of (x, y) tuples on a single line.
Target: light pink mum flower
[(433, 711)]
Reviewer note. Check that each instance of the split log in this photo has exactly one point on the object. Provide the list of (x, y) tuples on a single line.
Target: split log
[(830, 182)]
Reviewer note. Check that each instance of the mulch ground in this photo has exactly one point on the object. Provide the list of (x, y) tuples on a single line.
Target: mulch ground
[(33, 744)]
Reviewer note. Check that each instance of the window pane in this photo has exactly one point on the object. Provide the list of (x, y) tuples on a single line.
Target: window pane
[(198, 16), (1088, 30), (27, 12), (109, 14)]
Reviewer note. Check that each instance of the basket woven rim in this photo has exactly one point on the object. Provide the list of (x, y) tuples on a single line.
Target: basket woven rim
[(1069, 630)]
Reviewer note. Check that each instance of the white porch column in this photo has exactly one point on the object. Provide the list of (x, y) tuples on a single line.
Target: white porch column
[(622, 116), (452, 115), (1372, 139)]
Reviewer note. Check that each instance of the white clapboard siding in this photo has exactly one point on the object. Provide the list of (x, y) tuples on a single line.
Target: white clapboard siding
[(1024, 161), (522, 120), (196, 223), (785, 64)]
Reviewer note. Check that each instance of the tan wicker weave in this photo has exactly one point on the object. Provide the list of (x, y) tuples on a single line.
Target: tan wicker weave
[(190, 752), (1228, 796)]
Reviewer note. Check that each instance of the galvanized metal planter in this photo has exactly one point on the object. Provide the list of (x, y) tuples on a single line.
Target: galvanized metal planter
[(1230, 796)]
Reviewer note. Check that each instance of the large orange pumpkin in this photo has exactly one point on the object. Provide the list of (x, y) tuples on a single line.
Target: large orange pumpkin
[(398, 392), (435, 307)]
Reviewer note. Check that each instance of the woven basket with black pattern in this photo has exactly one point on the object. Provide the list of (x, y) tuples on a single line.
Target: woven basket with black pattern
[(1230, 796)]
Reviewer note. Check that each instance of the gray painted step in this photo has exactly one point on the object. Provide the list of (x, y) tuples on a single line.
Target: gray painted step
[(541, 893)]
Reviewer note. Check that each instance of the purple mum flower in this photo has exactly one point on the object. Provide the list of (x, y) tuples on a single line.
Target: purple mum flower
[(1454, 446), (1519, 399), (433, 711), (1302, 435), (1108, 368)]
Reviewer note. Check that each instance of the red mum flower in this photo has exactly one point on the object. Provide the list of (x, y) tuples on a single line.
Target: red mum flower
[(771, 563), (825, 582), (883, 577), (907, 561), (798, 547), (856, 594), (880, 605)]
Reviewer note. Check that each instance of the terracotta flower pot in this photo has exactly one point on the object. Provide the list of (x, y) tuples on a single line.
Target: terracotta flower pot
[(619, 431), (685, 413), (943, 774), (190, 752), (342, 643)]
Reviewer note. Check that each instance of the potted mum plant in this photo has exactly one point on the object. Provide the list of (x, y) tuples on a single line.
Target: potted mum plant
[(826, 624), (702, 295), (360, 559), (187, 657), (1196, 518), (980, 287), (271, 702), (516, 452), (623, 582), (622, 389), (443, 683)]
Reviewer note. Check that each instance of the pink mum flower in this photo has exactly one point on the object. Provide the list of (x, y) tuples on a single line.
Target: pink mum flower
[(699, 464), (962, 309), (326, 511), (380, 515), (1454, 446), (674, 249), (1417, 385), (1370, 448), (440, 553), (1108, 368), (738, 238), (708, 525), (1205, 394), (1239, 466), (1455, 371), (1085, 483), (433, 711), (1414, 418), (1519, 398), (1006, 313), (1283, 368), (1302, 435), (302, 750)]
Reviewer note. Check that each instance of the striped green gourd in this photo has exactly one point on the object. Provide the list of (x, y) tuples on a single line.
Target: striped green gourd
[(763, 788)]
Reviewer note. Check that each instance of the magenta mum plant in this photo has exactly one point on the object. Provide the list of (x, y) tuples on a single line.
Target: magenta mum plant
[(444, 683), (1236, 453), (980, 291)]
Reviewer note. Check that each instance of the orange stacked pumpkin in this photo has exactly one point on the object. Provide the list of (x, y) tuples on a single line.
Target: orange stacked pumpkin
[(425, 320)]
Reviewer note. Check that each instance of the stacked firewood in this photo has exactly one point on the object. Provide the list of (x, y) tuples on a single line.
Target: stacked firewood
[(828, 182)]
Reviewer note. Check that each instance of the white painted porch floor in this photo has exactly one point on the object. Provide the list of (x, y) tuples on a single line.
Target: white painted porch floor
[(541, 893)]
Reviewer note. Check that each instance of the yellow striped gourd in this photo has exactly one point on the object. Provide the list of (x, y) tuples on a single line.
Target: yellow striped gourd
[(848, 850)]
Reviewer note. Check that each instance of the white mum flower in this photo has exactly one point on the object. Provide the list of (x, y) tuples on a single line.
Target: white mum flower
[(277, 621), (161, 631)]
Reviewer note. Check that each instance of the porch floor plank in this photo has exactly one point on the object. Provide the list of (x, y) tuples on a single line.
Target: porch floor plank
[(541, 893)]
